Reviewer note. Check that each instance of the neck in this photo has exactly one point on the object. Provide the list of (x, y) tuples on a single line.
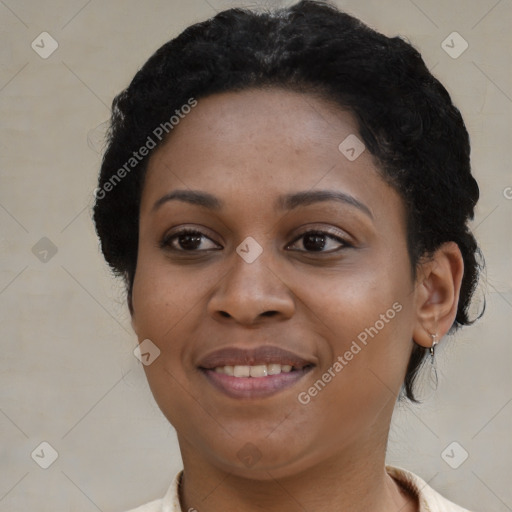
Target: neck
[(353, 479)]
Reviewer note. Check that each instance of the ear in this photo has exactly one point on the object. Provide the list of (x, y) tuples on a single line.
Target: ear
[(134, 324), (437, 290), (132, 312)]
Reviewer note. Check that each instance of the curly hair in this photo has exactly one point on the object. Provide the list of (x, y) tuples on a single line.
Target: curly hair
[(405, 117)]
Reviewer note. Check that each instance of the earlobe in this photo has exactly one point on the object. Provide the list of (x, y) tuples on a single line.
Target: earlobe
[(437, 292)]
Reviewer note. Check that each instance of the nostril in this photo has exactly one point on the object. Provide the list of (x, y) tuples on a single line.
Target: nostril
[(225, 314)]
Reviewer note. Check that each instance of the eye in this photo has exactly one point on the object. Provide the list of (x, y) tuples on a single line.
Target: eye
[(187, 240), (318, 241)]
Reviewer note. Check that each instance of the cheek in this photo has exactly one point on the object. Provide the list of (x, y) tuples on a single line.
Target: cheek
[(169, 309), (368, 350), (163, 295), (165, 305), (367, 317), (353, 298)]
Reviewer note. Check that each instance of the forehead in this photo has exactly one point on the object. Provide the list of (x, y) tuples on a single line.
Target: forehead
[(259, 143)]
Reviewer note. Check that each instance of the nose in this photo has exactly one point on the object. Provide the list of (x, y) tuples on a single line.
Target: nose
[(251, 293)]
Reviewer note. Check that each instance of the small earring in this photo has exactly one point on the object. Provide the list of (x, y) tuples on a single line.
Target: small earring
[(434, 343), (433, 370)]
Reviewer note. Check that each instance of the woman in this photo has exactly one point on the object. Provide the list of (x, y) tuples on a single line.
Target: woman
[(286, 196)]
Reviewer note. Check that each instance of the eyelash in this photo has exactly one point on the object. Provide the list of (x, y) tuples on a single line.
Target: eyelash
[(166, 242)]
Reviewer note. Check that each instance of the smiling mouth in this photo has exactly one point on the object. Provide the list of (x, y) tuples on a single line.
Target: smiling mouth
[(255, 381), (258, 372)]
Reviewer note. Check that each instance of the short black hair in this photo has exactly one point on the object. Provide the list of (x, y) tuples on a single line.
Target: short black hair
[(405, 116)]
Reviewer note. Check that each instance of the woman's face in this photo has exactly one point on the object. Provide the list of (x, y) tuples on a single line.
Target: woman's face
[(297, 257)]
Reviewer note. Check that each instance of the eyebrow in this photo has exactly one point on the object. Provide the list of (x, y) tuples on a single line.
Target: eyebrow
[(291, 201), (284, 202), (190, 196)]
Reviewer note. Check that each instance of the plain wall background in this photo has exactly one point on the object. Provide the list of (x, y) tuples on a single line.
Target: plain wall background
[(68, 375)]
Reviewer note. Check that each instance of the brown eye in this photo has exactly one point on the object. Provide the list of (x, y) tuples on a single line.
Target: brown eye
[(187, 240), (319, 241)]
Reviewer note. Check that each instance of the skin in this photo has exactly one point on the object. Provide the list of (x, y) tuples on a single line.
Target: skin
[(247, 148)]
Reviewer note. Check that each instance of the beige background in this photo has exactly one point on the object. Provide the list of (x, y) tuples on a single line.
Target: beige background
[(67, 372)]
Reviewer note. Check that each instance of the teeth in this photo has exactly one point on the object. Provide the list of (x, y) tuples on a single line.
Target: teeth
[(242, 371), (260, 370), (274, 369)]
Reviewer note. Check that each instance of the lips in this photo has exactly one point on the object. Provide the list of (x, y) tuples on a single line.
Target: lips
[(253, 373)]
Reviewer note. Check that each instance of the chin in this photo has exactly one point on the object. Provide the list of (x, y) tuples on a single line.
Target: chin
[(261, 459)]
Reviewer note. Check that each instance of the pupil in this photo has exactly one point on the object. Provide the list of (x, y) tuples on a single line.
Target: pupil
[(190, 241), (314, 242)]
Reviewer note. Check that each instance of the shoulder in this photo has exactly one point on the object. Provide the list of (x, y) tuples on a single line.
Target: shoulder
[(429, 499), (169, 503)]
